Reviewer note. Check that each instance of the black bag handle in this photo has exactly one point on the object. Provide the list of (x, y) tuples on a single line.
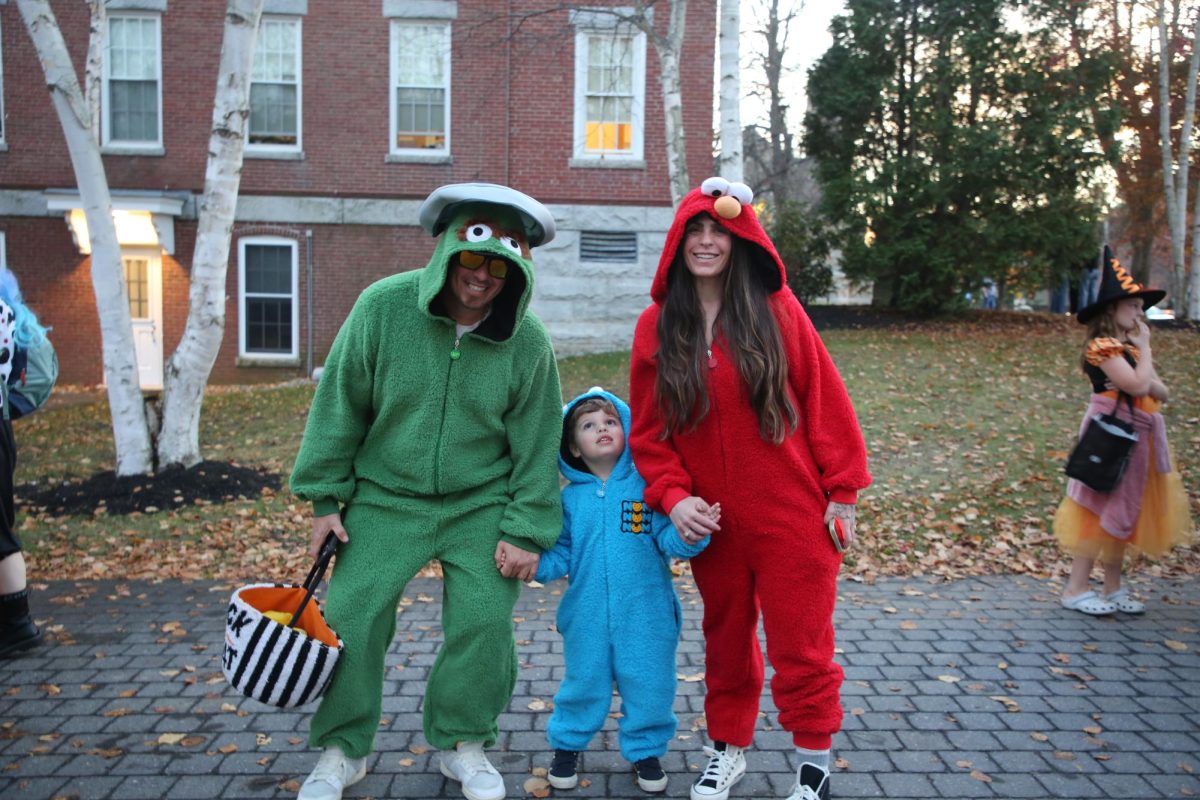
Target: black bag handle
[(1116, 412), (316, 574)]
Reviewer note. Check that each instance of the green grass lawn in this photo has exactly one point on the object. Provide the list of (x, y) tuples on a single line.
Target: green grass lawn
[(967, 425)]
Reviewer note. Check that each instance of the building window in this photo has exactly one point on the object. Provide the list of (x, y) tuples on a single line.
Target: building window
[(610, 93), (275, 87), (132, 95), (268, 322), (420, 88), (137, 279)]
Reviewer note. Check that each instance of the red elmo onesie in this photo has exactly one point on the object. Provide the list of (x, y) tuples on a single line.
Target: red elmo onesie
[(773, 551)]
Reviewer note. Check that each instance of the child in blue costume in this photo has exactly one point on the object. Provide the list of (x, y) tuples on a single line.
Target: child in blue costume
[(619, 616)]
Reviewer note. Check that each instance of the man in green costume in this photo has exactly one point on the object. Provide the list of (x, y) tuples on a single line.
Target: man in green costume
[(433, 434)]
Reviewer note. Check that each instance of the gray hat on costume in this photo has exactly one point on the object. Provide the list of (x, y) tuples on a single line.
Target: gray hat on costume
[(439, 208)]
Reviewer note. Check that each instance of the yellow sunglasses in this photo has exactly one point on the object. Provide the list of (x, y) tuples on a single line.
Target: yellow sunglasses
[(497, 267)]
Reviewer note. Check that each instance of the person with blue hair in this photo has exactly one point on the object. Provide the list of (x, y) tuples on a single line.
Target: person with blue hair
[(19, 330)]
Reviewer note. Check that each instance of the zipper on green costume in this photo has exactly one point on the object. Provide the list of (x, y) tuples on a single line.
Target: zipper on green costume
[(455, 354)]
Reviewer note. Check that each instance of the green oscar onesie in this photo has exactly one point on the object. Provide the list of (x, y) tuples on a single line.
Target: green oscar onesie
[(437, 445)]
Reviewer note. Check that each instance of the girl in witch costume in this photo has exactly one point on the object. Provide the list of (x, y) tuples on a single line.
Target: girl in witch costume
[(1148, 509), (736, 401), (19, 329)]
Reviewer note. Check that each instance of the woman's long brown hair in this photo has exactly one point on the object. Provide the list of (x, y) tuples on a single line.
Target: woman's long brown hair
[(751, 334)]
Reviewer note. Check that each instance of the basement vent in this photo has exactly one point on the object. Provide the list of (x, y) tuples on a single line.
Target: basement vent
[(608, 246)]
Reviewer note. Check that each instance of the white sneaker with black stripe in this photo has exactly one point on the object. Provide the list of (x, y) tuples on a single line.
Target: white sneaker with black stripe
[(726, 766)]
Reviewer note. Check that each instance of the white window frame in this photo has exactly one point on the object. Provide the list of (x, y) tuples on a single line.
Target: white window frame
[(139, 147), (274, 241), (636, 154), (283, 150), (415, 153), (3, 251)]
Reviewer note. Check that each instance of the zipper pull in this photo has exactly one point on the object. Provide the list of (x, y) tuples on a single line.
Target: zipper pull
[(454, 353), (600, 491)]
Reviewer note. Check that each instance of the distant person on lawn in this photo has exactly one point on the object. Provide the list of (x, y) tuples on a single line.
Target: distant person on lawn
[(433, 434), (1148, 509)]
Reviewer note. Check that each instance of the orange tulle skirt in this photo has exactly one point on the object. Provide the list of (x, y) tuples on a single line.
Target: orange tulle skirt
[(1163, 522)]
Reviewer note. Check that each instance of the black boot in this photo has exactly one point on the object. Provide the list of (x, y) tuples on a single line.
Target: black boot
[(17, 631)]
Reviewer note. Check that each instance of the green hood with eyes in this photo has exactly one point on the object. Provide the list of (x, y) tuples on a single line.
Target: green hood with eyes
[(463, 233)]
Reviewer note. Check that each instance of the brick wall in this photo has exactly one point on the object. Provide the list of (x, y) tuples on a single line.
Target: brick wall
[(512, 122), (345, 107)]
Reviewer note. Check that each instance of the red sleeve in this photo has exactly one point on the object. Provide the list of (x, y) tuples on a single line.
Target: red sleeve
[(666, 480), (826, 414)]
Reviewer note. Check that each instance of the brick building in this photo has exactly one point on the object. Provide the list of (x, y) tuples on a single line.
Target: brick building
[(359, 108)]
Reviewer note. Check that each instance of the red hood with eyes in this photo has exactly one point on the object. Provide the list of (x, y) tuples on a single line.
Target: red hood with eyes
[(745, 226)]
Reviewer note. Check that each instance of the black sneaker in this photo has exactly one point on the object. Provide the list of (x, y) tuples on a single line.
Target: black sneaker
[(562, 769), (650, 775), (812, 783)]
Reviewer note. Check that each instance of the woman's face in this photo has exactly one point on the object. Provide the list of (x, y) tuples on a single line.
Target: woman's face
[(1127, 313), (706, 247)]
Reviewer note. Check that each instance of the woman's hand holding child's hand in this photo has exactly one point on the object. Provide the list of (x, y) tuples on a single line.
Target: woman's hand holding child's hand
[(694, 519)]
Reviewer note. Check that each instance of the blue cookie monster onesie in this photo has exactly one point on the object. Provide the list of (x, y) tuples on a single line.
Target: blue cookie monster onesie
[(619, 616)]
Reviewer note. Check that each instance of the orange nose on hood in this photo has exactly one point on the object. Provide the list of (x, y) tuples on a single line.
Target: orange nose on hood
[(743, 224)]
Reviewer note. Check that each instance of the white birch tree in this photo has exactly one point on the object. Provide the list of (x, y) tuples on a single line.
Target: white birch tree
[(1175, 169), (668, 48), (729, 162), (98, 16), (187, 371), (131, 434)]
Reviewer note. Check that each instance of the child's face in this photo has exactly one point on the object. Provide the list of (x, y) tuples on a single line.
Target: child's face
[(598, 437), (1127, 313)]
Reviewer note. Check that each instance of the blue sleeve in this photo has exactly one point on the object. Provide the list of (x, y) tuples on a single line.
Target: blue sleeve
[(555, 563), (670, 542)]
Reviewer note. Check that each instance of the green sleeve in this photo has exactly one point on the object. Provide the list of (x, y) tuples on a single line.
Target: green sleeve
[(340, 416), (533, 519)]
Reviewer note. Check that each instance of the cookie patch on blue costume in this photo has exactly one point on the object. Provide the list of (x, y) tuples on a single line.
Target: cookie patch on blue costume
[(636, 517)]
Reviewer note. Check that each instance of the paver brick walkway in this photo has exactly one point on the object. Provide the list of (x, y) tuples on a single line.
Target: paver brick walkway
[(977, 688)]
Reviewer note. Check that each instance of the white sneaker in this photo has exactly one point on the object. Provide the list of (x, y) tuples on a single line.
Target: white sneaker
[(725, 768), (469, 766), (333, 773), (812, 783)]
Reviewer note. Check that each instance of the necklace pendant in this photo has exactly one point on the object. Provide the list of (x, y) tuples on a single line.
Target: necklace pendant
[(711, 360)]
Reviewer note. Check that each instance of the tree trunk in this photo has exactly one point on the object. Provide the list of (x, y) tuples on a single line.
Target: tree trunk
[(95, 63), (187, 371), (131, 434), (1192, 309), (1186, 303), (1174, 175), (729, 164), (668, 50)]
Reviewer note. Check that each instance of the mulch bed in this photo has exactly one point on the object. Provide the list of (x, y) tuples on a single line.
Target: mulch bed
[(173, 487)]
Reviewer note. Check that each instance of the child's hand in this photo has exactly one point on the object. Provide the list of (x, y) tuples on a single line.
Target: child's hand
[(714, 512)]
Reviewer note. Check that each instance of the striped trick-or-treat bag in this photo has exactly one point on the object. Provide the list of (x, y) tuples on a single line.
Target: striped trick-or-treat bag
[(281, 663)]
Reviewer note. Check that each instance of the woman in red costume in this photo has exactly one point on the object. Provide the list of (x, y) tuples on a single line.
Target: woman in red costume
[(737, 402)]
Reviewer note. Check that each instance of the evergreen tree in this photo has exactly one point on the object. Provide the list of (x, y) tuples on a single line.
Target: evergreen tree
[(950, 148)]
